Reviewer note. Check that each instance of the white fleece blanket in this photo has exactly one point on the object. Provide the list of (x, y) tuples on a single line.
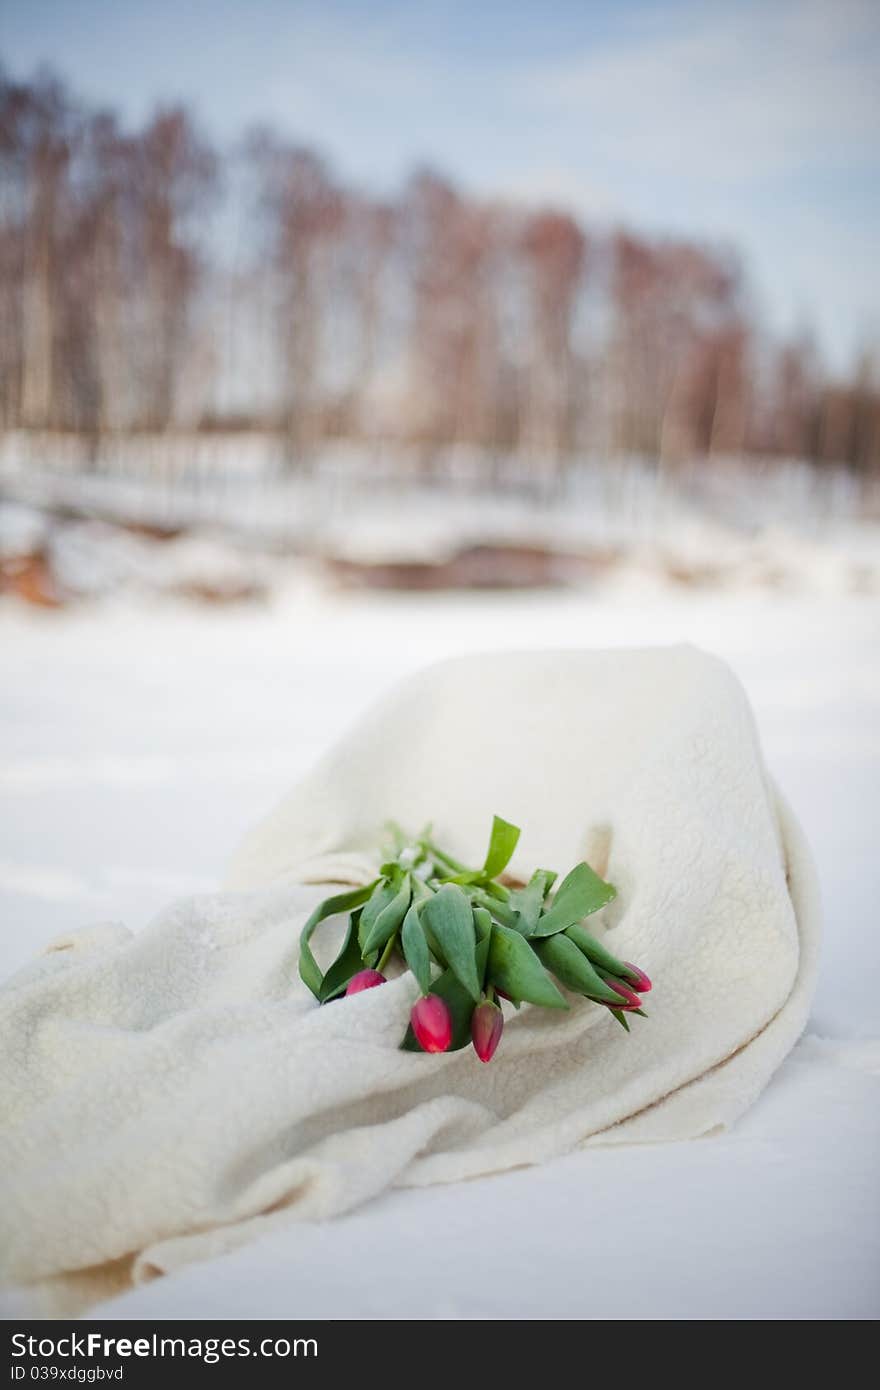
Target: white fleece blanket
[(168, 1095)]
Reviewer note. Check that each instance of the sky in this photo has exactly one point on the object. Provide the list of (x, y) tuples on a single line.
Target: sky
[(754, 123)]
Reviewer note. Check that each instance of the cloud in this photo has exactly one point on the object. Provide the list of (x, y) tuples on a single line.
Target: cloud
[(724, 93), (561, 187)]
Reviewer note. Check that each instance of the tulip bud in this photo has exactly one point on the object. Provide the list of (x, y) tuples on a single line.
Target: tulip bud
[(487, 1024), (432, 1023), (636, 978), (632, 1000), (364, 979)]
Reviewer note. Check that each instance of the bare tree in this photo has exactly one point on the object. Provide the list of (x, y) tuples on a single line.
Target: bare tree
[(434, 316), (108, 234), (371, 230), (679, 346), (450, 251), (36, 137), (176, 174), (554, 248), (306, 213)]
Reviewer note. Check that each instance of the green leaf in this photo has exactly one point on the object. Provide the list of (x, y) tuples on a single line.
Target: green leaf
[(621, 1018), (528, 901), (450, 919), (415, 949), (500, 910), (601, 958), (482, 922), (495, 890), (580, 893), (309, 970), (461, 1005), (483, 929), (384, 892), (388, 920), (433, 944), (502, 843), (475, 878), (514, 966), (346, 964), (571, 967)]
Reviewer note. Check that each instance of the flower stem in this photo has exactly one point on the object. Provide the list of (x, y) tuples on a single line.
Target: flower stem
[(389, 947), (445, 858)]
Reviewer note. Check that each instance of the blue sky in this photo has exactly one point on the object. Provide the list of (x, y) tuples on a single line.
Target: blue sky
[(755, 123)]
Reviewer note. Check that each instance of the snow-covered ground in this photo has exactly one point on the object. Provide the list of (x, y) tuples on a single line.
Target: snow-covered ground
[(140, 738), (732, 523)]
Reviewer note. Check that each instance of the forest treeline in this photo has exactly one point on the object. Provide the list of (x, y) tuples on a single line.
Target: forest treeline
[(149, 281)]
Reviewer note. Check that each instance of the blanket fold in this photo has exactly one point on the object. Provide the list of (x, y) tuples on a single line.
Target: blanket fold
[(169, 1094)]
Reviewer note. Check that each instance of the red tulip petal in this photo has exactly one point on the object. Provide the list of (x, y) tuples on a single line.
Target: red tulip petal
[(364, 979), (432, 1023), (487, 1025), (640, 983)]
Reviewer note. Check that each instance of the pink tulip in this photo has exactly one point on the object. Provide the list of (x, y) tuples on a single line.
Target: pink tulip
[(487, 1024), (432, 1023), (364, 979), (629, 995), (638, 980)]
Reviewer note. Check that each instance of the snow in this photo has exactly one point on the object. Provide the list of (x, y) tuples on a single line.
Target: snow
[(787, 525), (23, 530), (141, 735), (778, 1220)]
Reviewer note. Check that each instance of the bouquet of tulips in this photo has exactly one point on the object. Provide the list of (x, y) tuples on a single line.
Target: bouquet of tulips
[(469, 939)]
